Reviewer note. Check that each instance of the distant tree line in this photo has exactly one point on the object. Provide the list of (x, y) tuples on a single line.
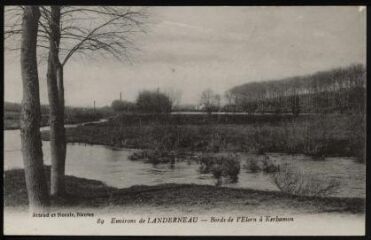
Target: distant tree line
[(337, 90)]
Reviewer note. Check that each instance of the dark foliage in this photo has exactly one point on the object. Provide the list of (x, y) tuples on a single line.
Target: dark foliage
[(153, 102), (221, 166)]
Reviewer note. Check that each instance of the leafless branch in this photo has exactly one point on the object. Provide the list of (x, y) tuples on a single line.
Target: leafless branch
[(106, 30)]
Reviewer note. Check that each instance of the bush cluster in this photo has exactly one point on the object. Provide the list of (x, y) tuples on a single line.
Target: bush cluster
[(262, 163), (221, 166), (295, 181)]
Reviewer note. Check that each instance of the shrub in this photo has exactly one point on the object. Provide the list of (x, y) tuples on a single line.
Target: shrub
[(206, 162), (262, 162), (269, 165), (221, 166), (253, 164), (294, 181), (230, 167)]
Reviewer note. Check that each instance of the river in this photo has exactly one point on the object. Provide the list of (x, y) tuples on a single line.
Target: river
[(113, 167)]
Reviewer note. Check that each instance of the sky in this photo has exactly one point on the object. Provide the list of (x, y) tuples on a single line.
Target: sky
[(190, 49)]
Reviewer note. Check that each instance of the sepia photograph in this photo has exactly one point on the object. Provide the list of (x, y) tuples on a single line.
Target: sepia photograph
[(184, 120)]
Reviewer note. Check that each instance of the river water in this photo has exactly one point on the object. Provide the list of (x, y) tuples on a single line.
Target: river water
[(113, 167)]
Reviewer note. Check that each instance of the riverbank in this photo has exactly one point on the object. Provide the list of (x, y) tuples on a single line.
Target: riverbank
[(14, 124), (318, 136), (73, 115), (86, 193)]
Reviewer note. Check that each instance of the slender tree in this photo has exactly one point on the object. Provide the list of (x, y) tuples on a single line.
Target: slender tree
[(30, 120), (66, 31), (56, 103), (109, 34)]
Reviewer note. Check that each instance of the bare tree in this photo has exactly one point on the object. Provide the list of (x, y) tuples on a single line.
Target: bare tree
[(109, 34), (210, 101), (175, 96), (230, 97), (30, 121), (56, 102), (76, 30)]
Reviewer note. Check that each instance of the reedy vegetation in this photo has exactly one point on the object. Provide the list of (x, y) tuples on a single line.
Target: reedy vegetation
[(329, 135)]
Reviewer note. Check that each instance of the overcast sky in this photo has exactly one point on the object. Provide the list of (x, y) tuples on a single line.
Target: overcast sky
[(194, 48)]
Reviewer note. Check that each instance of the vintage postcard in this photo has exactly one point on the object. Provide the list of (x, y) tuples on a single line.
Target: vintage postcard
[(190, 120)]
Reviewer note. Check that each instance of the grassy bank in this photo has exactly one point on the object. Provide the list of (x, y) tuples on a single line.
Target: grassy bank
[(72, 116), (91, 193), (317, 135), (12, 120)]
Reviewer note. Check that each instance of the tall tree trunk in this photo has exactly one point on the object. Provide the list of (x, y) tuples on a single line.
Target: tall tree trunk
[(57, 145), (30, 121), (60, 84)]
